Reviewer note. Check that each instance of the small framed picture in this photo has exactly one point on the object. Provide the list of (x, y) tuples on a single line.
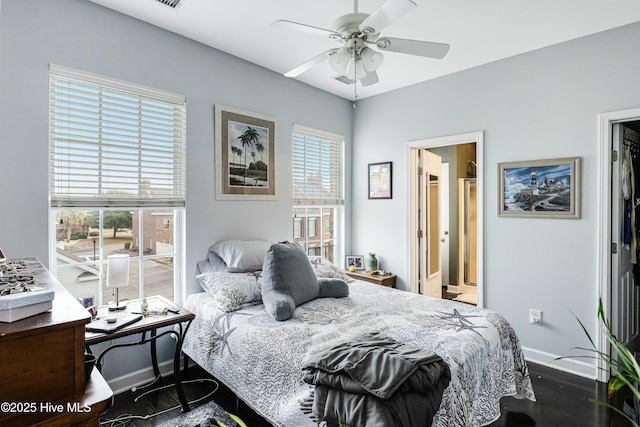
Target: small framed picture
[(540, 188), (356, 261), (86, 301), (380, 180)]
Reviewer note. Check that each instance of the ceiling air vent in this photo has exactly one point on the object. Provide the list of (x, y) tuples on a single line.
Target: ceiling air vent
[(344, 79), (171, 3)]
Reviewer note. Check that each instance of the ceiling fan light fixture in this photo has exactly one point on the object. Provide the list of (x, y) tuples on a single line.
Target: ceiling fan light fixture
[(354, 60), (340, 60), (371, 59), (356, 70)]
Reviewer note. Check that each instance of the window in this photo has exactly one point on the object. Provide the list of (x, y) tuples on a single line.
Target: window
[(318, 191), (116, 184), (312, 227), (297, 228)]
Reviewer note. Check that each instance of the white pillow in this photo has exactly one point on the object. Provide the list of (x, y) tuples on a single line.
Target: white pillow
[(232, 291), (325, 268), (241, 255)]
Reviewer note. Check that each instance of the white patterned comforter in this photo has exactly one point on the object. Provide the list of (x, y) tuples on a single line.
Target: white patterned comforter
[(260, 359)]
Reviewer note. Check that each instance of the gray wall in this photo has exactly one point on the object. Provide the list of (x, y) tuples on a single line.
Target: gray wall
[(83, 35), (543, 104)]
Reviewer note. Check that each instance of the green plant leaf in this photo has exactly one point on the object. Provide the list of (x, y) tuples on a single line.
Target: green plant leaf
[(625, 370), (237, 420)]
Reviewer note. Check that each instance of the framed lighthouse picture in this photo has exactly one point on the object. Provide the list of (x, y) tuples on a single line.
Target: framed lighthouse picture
[(540, 188)]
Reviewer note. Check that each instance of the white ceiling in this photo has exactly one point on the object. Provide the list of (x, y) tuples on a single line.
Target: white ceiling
[(479, 31)]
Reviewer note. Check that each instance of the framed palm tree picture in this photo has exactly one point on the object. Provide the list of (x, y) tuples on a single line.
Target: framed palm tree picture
[(245, 154)]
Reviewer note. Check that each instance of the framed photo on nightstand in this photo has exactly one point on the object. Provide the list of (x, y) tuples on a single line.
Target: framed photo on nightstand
[(356, 261)]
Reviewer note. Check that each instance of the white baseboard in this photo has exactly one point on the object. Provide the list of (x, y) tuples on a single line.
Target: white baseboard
[(137, 378), (572, 366)]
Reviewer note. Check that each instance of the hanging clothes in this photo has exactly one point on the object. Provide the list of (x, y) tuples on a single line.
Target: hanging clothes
[(626, 164), (627, 184), (632, 159)]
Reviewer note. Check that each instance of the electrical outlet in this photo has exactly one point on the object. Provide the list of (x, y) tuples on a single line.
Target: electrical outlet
[(535, 317)]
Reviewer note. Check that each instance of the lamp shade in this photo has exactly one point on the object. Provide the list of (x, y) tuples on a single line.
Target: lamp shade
[(340, 60), (117, 271), (356, 70), (371, 59)]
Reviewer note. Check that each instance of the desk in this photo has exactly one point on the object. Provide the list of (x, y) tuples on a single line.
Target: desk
[(148, 325)]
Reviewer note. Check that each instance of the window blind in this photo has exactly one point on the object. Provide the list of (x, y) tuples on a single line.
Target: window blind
[(114, 143), (318, 167)]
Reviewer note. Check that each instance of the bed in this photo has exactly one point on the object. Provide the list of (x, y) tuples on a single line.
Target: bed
[(260, 359)]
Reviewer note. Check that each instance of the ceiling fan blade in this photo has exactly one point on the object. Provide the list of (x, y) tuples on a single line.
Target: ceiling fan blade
[(386, 14), (370, 78), (413, 47), (309, 29), (310, 63)]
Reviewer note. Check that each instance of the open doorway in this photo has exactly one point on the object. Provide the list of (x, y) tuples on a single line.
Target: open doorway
[(616, 282), (431, 243), (625, 223)]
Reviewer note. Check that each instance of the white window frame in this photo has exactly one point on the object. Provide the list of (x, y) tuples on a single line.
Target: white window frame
[(170, 197), (307, 143)]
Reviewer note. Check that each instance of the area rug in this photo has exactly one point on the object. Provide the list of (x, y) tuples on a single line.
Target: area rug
[(204, 416)]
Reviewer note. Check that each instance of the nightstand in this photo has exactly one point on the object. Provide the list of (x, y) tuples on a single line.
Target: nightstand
[(383, 280)]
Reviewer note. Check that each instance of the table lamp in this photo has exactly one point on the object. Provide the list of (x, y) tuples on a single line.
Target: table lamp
[(117, 276)]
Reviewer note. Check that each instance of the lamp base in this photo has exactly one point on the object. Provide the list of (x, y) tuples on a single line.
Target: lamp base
[(117, 306)]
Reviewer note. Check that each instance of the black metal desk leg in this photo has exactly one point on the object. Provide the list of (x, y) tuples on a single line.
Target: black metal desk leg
[(154, 354), (176, 368)]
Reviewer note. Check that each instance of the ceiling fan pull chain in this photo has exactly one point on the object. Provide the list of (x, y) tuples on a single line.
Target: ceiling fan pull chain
[(355, 94)]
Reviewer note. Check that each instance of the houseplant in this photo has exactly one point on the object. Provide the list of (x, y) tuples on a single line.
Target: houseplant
[(625, 370)]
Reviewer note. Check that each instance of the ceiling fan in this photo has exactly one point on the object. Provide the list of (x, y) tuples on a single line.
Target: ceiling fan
[(357, 32)]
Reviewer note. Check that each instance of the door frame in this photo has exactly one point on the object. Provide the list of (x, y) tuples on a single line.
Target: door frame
[(444, 141), (444, 216), (605, 133)]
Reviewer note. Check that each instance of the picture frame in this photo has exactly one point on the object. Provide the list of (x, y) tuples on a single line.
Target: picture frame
[(356, 261), (547, 188), (86, 302), (380, 180), (245, 163)]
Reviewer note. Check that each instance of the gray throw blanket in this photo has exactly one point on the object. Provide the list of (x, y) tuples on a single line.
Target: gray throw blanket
[(376, 381)]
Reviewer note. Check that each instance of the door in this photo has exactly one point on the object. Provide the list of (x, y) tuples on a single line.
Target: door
[(429, 240), (625, 297), (456, 150), (468, 231)]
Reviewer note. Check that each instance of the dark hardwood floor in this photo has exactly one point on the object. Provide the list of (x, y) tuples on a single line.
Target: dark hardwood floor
[(562, 400)]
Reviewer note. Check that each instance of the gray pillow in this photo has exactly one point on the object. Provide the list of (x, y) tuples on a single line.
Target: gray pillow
[(288, 280), (332, 287), (241, 255)]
